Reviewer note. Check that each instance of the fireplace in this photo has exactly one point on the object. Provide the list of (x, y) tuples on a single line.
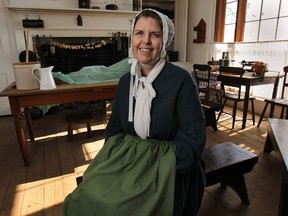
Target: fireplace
[(69, 54)]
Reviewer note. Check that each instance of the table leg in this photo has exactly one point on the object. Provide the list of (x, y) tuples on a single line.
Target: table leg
[(268, 147), (246, 103), (29, 123), (274, 95), (16, 113)]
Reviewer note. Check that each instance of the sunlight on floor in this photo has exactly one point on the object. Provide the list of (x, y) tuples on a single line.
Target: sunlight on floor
[(89, 149), (47, 192)]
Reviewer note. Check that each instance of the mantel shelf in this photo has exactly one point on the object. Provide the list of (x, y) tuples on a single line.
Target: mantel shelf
[(71, 10)]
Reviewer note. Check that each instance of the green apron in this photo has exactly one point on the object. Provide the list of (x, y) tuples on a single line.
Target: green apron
[(129, 176)]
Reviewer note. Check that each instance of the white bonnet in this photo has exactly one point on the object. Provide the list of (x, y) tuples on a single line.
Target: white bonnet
[(168, 29)]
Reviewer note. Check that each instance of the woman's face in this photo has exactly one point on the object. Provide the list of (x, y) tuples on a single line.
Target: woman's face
[(147, 41)]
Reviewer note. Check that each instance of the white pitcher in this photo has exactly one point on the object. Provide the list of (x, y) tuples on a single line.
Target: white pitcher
[(45, 78)]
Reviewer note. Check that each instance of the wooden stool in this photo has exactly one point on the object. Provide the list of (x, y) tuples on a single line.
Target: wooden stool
[(79, 117), (227, 163)]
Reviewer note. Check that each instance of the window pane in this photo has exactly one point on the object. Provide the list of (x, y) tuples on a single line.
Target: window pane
[(284, 8), (231, 13), (267, 30), (270, 9), (282, 32), (253, 10), (229, 33), (251, 31)]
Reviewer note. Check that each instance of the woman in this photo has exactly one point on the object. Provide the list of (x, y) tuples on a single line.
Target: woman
[(150, 162)]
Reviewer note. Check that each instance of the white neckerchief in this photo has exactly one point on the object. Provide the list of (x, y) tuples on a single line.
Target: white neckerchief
[(144, 93)]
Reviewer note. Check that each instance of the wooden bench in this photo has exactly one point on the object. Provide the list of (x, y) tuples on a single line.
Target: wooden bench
[(210, 107), (79, 117), (226, 163), (277, 140)]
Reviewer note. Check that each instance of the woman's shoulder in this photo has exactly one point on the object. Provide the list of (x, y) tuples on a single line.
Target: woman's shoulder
[(125, 77), (175, 69)]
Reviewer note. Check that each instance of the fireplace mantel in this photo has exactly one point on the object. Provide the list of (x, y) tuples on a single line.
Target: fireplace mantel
[(62, 22)]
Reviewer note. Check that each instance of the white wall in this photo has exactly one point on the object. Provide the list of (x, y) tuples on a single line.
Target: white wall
[(200, 9), (181, 29), (6, 71)]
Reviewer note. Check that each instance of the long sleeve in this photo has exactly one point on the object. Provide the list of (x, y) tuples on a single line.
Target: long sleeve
[(191, 134)]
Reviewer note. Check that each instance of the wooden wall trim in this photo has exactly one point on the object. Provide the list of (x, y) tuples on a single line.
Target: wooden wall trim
[(240, 23), (219, 20)]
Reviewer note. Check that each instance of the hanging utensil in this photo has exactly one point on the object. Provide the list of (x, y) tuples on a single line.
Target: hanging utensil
[(27, 55)]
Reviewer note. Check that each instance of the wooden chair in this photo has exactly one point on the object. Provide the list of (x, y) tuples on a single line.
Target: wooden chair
[(206, 83), (280, 102), (231, 79)]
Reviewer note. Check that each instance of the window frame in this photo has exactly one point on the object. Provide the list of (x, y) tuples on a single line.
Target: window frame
[(220, 20)]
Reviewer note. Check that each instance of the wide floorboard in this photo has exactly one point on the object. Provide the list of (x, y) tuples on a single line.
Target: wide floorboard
[(55, 163)]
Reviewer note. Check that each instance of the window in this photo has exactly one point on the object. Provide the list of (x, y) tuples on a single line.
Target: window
[(230, 20), (251, 20)]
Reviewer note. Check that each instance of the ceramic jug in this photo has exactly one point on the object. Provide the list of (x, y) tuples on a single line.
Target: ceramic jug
[(45, 78)]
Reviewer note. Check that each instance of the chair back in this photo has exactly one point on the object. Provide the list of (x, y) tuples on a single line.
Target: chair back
[(231, 79), (202, 74), (285, 84)]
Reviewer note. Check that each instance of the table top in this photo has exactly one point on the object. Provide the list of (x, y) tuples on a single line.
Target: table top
[(11, 90), (189, 67), (250, 75), (279, 127)]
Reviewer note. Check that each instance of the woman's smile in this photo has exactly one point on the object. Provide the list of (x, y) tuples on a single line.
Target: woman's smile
[(146, 49)]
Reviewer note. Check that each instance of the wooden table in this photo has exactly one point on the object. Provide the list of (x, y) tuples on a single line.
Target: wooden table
[(271, 77), (249, 80), (277, 140), (64, 93)]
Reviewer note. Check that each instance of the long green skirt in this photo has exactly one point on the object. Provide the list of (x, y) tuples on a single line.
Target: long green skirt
[(129, 176)]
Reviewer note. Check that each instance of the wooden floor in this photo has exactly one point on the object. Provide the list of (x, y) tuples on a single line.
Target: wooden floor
[(55, 163)]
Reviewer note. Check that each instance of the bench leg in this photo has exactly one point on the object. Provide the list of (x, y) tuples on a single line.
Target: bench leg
[(268, 147), (79, 179), (89, 131), (70, 131), (211, 119), (239, 186)]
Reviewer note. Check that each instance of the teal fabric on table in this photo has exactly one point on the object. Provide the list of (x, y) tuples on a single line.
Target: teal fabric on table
[(129, 176), (95, 74)]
